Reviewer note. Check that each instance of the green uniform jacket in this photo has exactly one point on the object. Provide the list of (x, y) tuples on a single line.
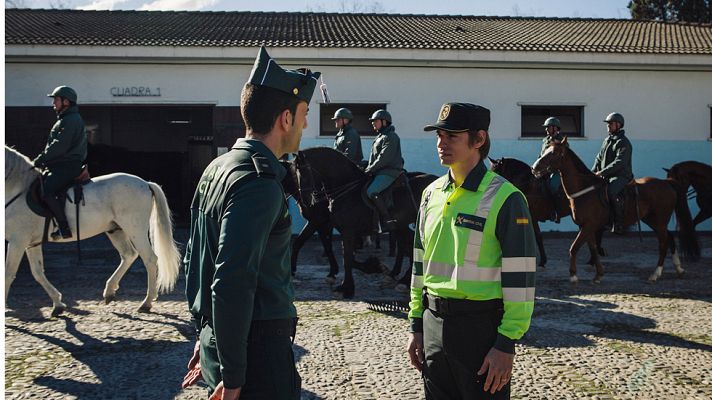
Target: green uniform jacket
[(547, 141), (386, 158), (348, 141), (67, 141), (237, 259), (476, 242), (615, 159)]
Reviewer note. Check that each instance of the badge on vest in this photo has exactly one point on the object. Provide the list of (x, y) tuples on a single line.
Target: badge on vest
[(470, 221)]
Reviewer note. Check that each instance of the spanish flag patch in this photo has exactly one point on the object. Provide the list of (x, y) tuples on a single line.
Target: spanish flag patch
[(522, 221)]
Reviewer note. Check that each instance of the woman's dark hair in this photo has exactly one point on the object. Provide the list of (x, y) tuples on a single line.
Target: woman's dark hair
[(261, 105)]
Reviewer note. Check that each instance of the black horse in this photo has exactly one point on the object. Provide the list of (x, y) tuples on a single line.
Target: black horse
[(326, 176)]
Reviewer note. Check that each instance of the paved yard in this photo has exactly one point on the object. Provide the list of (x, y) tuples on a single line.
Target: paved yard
[(624, 338)]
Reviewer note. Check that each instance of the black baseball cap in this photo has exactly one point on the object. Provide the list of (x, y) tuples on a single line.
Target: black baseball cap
[(461, 117)]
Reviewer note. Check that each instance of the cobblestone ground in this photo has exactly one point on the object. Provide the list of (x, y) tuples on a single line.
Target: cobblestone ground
[(624, 338)]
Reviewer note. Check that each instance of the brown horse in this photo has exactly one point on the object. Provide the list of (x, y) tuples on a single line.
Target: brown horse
[(656, 201), (699, 176), (540, 207)]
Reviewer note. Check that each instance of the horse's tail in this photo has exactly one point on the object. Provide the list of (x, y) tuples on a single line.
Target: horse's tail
[(689, 246), (161, 229)]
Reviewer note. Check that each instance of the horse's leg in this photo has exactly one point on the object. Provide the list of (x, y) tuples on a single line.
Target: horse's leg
[(128, 255), (34, 256), (663, 239), (540, 244), (145, 251), (403, 285), (581, 238), (347, 287), (12, 263), (392, 243), (675, 256), (598, 249), (701, 216), (308, 230), (595, 260), (327, 237)]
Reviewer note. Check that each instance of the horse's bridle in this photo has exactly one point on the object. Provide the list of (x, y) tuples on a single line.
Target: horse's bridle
[(321, 195), (599, 180)]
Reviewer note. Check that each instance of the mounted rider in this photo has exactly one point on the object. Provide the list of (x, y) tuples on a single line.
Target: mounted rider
[(61, 161), (385, 164), (347, 140), (552, 126), (614, 163)]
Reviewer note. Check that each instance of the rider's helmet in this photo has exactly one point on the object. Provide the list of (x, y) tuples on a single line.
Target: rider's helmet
[(615, 117), (65, 92), (552, 121), (343, 113), (381, 114)]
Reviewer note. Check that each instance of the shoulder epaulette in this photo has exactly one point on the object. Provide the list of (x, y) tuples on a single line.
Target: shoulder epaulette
[(262, 166)]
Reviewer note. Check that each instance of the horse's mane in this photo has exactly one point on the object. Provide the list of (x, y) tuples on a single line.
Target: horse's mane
[(18, 166), (332, 157), (580, 166), (517, 166), (698, 173)]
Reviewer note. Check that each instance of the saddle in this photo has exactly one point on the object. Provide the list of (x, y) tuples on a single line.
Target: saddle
[(35, 203), (387, 195)]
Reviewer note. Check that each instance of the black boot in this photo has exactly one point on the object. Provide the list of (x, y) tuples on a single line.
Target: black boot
[(388, 224), (63, 231), (618, 215)]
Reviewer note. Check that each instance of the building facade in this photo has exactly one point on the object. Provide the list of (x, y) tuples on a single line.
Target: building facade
[(159, 91)]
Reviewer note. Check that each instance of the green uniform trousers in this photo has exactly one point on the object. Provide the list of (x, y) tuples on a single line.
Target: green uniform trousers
[(58, 177), (455, 347), (271, 373)]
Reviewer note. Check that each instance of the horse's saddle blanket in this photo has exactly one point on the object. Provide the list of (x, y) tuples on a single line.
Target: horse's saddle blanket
[(34, 195)]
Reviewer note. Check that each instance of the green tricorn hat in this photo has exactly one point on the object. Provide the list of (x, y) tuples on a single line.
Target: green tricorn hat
[(266, 72), (461, 117)]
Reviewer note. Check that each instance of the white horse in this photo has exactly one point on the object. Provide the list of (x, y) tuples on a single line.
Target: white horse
[(125, 207)]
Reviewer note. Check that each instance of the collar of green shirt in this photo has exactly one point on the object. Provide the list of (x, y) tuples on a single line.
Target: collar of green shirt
[(257, 146), (473, 179)]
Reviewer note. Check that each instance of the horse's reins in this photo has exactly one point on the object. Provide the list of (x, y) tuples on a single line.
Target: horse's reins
[(332, 194)]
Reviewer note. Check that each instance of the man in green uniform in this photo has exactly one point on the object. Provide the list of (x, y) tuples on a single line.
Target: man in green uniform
[(347, 140), (238, 279), (614, 163), (385, 164), (472, 290), (552, 126), (61, 161)]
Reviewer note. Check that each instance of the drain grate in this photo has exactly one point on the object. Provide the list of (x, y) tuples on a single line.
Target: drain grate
[(388, 306)]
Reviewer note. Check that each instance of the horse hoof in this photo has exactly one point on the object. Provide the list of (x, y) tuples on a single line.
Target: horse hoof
[(573, 279), (597, 281), (681, 273), (109, 299), (144, 309), (402, 288), (57, 311), (330, 279)]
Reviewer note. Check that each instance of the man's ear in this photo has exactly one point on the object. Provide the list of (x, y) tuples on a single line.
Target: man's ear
[(286, 118), (481, 136)]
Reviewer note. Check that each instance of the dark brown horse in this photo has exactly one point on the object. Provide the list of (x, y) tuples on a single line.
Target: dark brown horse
[(324, 174), (540, 207), (699, 176), (656, 201)]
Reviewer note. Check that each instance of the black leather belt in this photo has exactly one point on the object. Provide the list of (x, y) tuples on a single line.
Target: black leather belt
[(445, 306)]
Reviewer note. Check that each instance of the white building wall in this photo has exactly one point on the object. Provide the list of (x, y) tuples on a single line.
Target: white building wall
[(657, 105)]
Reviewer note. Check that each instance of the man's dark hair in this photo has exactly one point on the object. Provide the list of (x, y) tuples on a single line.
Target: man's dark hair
[(485, 148), (261, 105)]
